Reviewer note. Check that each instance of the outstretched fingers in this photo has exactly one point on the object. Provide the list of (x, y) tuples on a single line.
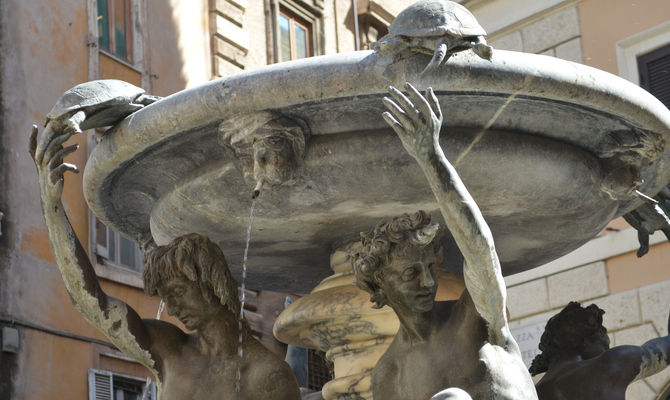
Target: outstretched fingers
[(55, 145), (61, 154), (57, 173), (398, 113), (434, 103), (394, 124), (404, 104), (419, 101)]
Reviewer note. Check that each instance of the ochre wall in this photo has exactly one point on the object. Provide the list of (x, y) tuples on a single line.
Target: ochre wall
[(605, 22)]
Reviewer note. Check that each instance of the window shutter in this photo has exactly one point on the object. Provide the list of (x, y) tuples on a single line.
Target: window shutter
[(654, 70), (100, 385)]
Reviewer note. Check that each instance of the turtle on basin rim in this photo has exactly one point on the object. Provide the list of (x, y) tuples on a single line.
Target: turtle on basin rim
[(98, 103), (438, 27)]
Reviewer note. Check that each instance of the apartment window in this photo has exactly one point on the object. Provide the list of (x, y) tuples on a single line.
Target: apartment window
[(109, 246), (296, 30), (654, 69), (115, 28), (108, 385), (116, 249), (294, 37)]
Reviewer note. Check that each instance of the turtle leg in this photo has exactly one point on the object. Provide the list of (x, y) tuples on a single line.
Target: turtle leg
[(643, 238), (438, 57), (146, 99), (482, 49), (74, 121)]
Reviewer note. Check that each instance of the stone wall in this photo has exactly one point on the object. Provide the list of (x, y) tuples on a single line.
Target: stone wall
[(555, 33), (632, 316)]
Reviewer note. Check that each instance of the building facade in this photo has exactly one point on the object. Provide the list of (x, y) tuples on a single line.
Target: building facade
[(50, 352)]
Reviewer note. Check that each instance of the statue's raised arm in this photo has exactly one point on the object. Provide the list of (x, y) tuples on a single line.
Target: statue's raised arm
[(417, 121), (119, 322)]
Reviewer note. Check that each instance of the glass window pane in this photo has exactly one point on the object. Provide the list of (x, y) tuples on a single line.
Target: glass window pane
[(100, 233), (120, 29), (300, 41), (127, 252), (112, 245), (284, 39), (103, 25)]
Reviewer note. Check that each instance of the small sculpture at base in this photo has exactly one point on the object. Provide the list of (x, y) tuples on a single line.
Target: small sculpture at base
[(191, 276), (579, 365), (462, 344), (650, 217)]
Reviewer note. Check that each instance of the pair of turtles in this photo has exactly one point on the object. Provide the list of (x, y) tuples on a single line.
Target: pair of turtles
[(97, 103), (437, 27)]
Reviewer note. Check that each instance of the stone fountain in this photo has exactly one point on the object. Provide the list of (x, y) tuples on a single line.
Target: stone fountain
[(550, 150)]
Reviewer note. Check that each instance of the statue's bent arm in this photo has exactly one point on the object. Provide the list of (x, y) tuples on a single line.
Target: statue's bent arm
[(118, 321), (417, 121)]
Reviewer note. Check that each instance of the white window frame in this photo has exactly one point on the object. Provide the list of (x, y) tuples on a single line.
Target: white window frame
[(101, 385), (629, 49), (105, 266)]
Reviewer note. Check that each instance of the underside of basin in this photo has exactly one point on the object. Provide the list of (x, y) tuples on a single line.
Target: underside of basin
[(535, 140)]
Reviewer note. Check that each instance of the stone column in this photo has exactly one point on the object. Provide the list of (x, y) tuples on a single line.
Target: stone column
[(338, 318)]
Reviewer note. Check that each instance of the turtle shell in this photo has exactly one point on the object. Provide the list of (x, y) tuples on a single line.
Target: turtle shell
[(435, 18), (94, 94)]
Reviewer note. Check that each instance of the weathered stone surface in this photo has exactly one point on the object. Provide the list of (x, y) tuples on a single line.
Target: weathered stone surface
[(528, 298), (223, 67), (232, 32), (570, 51), (550, 31), (621, 310), (511, 41), (640, 390), (229, 52), (582, 283), (655, 305), (636, 335), (659, 381), (178, 139), (229, 10)]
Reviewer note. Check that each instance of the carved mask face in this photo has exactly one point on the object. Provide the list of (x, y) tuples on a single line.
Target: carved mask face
[(409, 282), (184, 300), (273, 160)]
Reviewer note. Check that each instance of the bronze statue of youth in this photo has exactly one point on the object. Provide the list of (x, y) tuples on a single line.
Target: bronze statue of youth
[(462, 344)]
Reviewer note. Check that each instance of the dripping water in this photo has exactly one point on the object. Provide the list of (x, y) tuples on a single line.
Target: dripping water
[(161, 307), (240, 324)]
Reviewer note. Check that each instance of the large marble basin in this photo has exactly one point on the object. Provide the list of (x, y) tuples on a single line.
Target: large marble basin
[(538, 142)]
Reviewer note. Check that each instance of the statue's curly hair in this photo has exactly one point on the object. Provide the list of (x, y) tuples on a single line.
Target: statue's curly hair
[(566, 332), (199, 260), (389, 239)]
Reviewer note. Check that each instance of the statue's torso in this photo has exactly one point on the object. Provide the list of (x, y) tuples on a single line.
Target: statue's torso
[(457, 354), (191, 375)]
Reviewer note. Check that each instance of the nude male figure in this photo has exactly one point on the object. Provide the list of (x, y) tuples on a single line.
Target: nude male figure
[(579, 363), (191, 276), (463, 344)]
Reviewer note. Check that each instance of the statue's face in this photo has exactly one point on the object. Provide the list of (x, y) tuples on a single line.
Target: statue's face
[(184, 300), (409, 282)]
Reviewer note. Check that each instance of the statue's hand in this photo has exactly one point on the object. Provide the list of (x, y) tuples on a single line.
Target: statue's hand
[(417, 120), (46, 149)]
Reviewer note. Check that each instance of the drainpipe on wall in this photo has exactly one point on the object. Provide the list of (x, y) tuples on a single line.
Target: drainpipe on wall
[(355, 12), (1, 215)]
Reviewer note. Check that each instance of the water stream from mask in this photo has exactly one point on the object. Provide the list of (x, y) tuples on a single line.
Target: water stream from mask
[(240, 348), (161, 307)]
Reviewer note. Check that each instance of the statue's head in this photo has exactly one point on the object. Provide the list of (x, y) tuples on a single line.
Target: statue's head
[(397, 263), (576, 330), (191, 275)]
